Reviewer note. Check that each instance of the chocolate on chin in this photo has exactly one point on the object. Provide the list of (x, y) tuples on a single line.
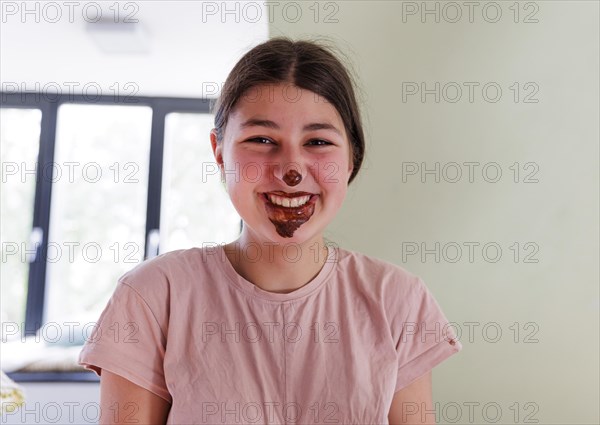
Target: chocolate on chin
[(286, 229), (287, 220)]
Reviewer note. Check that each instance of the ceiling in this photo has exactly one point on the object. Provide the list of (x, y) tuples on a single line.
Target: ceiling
[(176, 49)]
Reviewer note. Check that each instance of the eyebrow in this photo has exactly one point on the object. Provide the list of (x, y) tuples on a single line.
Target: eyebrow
[(256, 122)]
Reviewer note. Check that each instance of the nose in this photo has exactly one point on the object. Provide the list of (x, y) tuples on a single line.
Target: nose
[(292, 177), (290, 166)]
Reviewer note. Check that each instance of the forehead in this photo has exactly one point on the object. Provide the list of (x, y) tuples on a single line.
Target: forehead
[(286, 104)]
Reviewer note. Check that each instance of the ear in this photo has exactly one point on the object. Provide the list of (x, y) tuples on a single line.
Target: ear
[(349, 175), (350, 164), (216, 147)]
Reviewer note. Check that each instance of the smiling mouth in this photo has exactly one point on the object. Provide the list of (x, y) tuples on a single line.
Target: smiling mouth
[(293, 200), (289, 211)]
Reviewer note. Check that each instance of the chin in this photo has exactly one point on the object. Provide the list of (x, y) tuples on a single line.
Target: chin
[(269, 234)]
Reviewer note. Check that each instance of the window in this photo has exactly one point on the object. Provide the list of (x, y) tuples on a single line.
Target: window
[(19, 146), (90, 189), (191, 182), (98, 208)]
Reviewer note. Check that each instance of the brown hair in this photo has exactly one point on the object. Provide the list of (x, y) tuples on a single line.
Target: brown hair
[(306, 64)]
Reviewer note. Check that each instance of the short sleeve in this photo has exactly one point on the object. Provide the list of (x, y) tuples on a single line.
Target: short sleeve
[(128, 340), (426, 337)]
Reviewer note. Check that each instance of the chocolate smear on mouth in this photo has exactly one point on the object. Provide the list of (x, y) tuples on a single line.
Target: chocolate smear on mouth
[(288, 219)]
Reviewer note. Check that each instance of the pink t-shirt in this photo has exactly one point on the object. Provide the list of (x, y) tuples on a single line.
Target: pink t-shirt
[(187, 327)]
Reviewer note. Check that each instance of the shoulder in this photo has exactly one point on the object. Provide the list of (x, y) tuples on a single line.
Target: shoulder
[(155, 276), (156, 284), (389, 288), (370, 267), (391, 279)]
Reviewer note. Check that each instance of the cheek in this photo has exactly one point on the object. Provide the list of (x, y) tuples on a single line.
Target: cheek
[(333, 171), (244, 168), (329, 174)]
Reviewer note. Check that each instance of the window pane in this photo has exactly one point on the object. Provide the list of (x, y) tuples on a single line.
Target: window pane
[(98, 211), (195, 208), (19, 143)]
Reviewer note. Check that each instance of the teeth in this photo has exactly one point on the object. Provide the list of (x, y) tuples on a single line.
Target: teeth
[(287, 202)]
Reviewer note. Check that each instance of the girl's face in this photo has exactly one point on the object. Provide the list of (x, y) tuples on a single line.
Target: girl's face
[(286, 160)]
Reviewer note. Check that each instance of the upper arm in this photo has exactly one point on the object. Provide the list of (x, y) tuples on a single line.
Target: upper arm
[(413, 404), (122, 401)]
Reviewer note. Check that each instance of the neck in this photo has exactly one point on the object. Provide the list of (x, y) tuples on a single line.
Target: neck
[(277, 267)]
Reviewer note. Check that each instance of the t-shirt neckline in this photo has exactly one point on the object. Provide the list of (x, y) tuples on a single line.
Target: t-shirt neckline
[(250, 289)]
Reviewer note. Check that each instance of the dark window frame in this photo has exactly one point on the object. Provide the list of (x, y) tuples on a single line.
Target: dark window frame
[(48, 104)]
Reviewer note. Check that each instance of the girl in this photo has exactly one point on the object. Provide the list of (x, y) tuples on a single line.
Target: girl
[(279, 326)]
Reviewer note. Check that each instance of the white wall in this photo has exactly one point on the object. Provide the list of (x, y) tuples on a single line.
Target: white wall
[(554, 300)]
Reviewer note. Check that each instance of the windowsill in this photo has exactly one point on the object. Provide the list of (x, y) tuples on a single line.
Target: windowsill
[(30, 361), (54, 376)]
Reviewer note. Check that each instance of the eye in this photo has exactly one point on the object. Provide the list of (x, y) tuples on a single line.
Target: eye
[(319, 142), (261, 140)]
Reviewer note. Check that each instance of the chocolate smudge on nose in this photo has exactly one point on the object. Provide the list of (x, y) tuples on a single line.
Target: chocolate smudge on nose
[(292, 177)]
